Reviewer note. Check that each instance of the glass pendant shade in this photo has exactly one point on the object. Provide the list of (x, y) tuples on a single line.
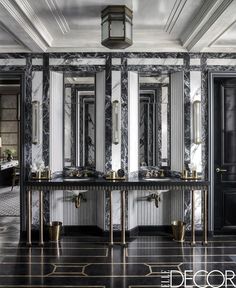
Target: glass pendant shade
[(117, 27)]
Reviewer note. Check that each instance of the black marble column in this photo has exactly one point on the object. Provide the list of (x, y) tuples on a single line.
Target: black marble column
[(187, 110), (73, 125), (205, 116), (108, 114), (46, 109), (187, 135), (124, 114), (108, 131), (27, 118), (46, 127)]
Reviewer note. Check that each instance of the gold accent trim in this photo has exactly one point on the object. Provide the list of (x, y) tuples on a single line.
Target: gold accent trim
[(141, 286), (111, 220), (123, 192), (157, 265), (53, 286), (193, 242), (61, 256)]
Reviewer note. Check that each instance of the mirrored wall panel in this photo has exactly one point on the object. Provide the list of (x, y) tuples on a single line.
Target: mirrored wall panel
[(79, 120), (154, 122)]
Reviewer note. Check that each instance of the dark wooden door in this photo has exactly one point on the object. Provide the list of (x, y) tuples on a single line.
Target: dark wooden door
[(225, 155)]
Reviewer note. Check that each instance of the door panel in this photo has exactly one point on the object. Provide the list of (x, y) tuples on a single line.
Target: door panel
[(225, 154), (229, 208)]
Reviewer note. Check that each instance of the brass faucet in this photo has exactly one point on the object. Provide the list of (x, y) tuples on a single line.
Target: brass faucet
[(152, 173), (156, 197), (78, 198)]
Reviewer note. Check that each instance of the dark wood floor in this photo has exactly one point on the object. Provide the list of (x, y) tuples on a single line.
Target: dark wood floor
[(90, 262)]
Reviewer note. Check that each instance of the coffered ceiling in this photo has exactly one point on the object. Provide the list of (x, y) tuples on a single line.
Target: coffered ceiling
[(158, 25)]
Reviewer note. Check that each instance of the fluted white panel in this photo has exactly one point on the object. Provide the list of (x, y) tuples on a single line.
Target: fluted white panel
[(149, 214), (100, 143), (56, 121), (56, 141), (177, 139), (85, 214), (116, 148), (177, 121), (133, 142), (133, 121)]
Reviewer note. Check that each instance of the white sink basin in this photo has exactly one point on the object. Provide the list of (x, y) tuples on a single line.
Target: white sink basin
[(157, 179), (77, 179)]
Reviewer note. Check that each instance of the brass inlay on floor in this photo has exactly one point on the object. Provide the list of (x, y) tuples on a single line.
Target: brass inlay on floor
[(42, 255), (51, 286)]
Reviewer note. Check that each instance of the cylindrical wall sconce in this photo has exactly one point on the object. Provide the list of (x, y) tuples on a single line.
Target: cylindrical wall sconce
[(35, 122), (197, 131), (115, 122)]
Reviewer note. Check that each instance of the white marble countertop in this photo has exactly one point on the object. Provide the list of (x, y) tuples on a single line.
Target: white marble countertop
[(8, 164)]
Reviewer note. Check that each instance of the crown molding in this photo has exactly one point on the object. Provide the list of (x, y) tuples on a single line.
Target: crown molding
[(58, 16), (21, 27), (35, 21), (194, 38), (174, 15), (12, 36), (14, 49)]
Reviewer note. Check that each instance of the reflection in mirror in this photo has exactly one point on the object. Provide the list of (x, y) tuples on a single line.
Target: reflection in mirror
[(154, 144), (79, 120)]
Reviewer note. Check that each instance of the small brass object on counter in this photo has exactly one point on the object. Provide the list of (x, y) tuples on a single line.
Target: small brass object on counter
[(113, 175), (187, 175), (162, 174), (194, 174), (40, 175)]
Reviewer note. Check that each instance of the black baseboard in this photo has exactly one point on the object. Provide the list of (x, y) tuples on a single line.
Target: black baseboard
[(151, 230), (155, 230), (226, 232), (72, 230), (134, 232)]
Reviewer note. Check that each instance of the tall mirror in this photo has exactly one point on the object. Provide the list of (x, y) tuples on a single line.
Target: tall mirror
[(79, 120), (154, 122)]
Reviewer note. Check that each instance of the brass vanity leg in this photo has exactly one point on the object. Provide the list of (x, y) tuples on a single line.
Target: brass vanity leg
[(193, 242), (41, 218), (111, 221), (29, 217), (205, 216), (123, 217)]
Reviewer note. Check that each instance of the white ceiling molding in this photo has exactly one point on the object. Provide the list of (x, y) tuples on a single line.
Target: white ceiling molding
[(14, 49), (208, 23), (17, 40), (35, 21), (175, 14), (159, 26), (20, 26), (59, 17)]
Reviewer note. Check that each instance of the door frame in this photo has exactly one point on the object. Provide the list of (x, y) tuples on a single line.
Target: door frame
[(211, 127), (21, 76)]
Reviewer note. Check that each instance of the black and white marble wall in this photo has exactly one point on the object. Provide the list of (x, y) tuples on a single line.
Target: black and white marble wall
[(27, 118), (31, 64), (205, 115), (89, 128), (143, 144), (73, 125), (108, 113), (67, 127), (124, 114), (195, 152), (37, 149)]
